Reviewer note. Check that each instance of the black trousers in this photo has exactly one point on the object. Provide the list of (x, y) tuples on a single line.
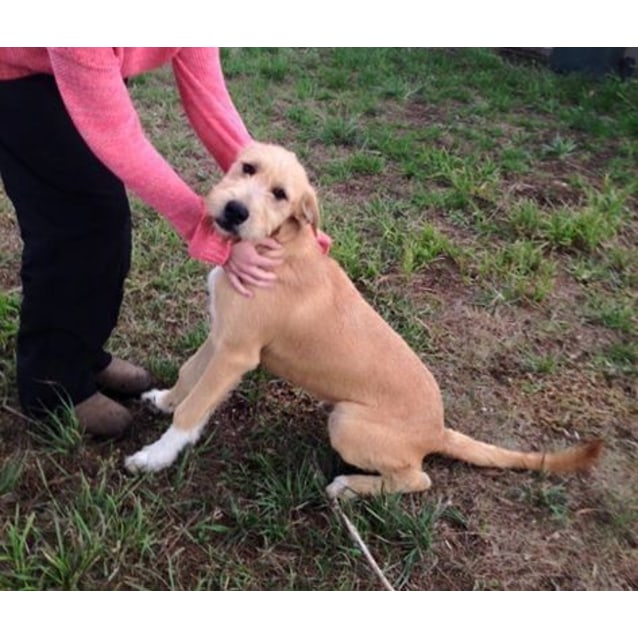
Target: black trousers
[(75, 222)]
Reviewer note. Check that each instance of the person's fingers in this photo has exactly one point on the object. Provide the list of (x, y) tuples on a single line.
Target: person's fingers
[(252, 275), (250, 267), (260, 272), (263, 263), (270, 243), (260, 283), (269, 249), (238, 286)]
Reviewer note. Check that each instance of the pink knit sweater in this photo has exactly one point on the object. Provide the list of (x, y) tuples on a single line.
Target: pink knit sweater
[(90, 82)]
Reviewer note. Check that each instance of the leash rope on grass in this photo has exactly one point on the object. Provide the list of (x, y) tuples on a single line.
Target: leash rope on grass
[(352, 530)]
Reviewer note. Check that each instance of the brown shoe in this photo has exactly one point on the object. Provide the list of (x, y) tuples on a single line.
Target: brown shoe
[(122, 377), (100, 416)]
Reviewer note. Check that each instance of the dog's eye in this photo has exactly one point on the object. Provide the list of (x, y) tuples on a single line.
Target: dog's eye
[(248, 169), (279, 193)]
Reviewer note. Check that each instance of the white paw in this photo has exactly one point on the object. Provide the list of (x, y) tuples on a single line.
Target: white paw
[(157, 399), (340, 489), (141, 461), (160, 454), (151, 458)]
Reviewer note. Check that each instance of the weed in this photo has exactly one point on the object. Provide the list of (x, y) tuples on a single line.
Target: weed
[(192, 339), (580, 118), (358, 163), (541, 364), (341, 130), (66, 560), (58, 431), (527, 219), (521, 271), (550, 497), (275, 68), (406, 318), (302, 117), (614, 313), (360, 260), (387, 521), (77, 544), (163, 369), (9, 309), (559, 147), (421, 249), (19, 568), (11, 471), (621, 265), (622, 517), (283, 489), (581, 230), (514, 160), (620, 358)]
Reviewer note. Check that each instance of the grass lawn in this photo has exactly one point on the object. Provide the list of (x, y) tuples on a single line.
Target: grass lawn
[(488, 210)]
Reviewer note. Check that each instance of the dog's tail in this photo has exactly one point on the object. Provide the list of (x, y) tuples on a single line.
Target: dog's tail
[(578, 458)]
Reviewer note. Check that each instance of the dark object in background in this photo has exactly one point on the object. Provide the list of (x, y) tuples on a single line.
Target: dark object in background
[(594, 61)]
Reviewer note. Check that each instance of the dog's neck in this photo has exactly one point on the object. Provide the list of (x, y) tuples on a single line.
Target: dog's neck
[(295, 236)]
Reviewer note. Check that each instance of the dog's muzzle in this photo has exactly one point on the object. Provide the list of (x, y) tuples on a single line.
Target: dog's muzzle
[(233, 216)]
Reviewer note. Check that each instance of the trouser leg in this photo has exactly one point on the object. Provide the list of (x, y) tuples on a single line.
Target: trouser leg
[(74, 220)]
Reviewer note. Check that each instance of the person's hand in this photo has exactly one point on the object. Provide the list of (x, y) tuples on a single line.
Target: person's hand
[(325, 241), (251, 264)]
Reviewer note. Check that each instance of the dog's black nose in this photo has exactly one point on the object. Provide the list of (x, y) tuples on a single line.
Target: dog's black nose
[(235, 213)]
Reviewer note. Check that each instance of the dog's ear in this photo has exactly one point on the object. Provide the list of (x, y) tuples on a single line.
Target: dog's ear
[(309, 208)]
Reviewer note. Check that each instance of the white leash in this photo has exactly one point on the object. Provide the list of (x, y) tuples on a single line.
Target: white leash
[(359, 541)]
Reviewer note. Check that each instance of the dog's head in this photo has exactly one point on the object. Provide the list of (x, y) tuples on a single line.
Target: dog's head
[(265, 187)]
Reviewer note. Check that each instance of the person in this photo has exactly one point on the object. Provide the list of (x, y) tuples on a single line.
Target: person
[(71, 143)]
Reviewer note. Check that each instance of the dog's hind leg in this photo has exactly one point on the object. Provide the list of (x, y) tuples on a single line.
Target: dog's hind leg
[(224, 371), (355, 432), (351, 485), (167, 400)]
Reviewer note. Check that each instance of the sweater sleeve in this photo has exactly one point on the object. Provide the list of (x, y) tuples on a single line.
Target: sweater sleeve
[(208, 104), (94, 93)]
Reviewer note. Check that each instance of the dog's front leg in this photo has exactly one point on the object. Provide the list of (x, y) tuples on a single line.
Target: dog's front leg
[(222, 374), (167, 400)]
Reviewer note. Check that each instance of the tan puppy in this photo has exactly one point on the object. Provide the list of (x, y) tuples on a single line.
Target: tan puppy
[(314, 329)]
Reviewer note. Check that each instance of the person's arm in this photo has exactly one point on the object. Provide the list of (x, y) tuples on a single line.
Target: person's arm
[(211, 111), (94, 93), (208, 105)]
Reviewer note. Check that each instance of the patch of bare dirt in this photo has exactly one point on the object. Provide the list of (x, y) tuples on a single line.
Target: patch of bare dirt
[(547, 190)]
